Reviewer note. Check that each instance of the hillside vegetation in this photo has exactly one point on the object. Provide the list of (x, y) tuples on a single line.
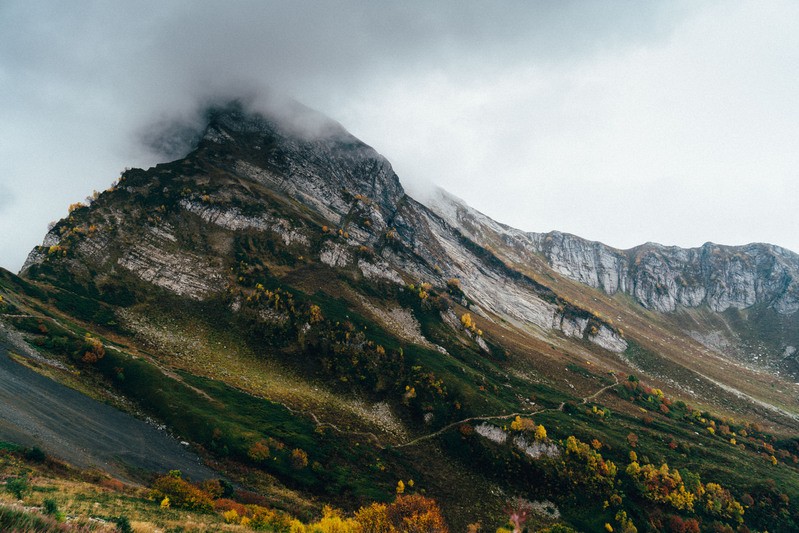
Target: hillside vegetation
[(344, 359)]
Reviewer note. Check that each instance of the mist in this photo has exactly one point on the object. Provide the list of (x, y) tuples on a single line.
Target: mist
[(625, 123)]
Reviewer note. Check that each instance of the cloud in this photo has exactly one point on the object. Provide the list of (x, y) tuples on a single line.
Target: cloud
[(6, 197), (607, 119)]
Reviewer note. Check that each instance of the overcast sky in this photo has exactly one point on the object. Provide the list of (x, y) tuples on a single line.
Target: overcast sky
[(624, 122)]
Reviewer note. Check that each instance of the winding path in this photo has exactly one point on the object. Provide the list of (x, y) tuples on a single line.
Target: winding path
[(502, 417)]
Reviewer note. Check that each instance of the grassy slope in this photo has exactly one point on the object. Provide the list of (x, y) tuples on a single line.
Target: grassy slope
[(200, 368), (195, 406)]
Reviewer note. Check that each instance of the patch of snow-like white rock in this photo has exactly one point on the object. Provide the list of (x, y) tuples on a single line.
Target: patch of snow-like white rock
[(492, 433), (400, 321), (179, 272), (231, 218), (304, 186), (495, 292), (536, 449), (571, 327), (39, 253), (608, 339), (380, 270), (335, 255)]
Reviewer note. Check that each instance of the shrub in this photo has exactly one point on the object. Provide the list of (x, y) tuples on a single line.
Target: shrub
[(182, 494), (18, 486), (408, 514), (123, 524), (50, 506), (224, 505), (299, 459), (268, 519), (35, 454)]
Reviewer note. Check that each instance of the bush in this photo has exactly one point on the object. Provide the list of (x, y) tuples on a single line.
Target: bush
[(35, 454), (224, 504), (51, 509), (50, 506), (18, 486), (408, 514), (182, 494), (123, 524)]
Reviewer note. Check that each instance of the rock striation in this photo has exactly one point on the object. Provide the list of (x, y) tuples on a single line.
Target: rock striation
[(661, 278), (321, 193)]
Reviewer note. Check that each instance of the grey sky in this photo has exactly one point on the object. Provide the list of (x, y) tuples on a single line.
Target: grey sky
[(624, 122)]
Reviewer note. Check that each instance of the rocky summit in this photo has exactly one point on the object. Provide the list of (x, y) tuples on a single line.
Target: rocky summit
[(276, 301)]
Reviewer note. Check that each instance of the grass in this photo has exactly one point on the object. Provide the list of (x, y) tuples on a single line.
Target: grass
[(228, 422), (197, 368)]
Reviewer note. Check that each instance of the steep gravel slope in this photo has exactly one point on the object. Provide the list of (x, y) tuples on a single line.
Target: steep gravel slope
[(36, 411)]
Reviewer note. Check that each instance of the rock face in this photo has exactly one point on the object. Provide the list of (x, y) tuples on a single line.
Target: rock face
[(322, 169), (323, 194), (320, 194), (661, 278)]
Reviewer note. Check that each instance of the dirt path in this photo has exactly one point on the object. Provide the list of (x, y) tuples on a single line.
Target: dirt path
[(505, 416), (36, 411), (600, 391)]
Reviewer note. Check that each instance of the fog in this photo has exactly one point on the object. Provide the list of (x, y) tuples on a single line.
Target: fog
[(621, 122)]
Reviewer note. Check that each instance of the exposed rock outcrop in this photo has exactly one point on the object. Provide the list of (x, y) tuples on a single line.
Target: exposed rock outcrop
[(662, 278)]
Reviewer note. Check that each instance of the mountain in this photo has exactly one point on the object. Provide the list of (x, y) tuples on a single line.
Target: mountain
[(658, 277), (277, 299), (741, 300)]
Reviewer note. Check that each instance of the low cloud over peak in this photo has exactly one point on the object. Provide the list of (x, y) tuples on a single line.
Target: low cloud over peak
[(671, 122)]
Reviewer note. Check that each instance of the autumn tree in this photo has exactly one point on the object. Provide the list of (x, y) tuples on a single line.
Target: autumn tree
[(315, 313), (522, 424), (663, 485), (299, 459), (259, 451), (717, 501), (181, 493), (470, 324), (93, 349), (584, 466), (407, 514)]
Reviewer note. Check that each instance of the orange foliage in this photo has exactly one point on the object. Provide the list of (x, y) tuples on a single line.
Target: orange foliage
[(408, 514), (259, 451), (225, 504), (299, 459), (316, 314), (94, 349), (181, 493)]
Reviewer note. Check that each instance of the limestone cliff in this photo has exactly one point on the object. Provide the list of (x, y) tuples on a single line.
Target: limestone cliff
[(661, 278), (324, 195)]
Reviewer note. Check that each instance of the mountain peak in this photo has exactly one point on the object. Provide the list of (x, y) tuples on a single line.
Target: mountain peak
[(283, 116), (299, 152)]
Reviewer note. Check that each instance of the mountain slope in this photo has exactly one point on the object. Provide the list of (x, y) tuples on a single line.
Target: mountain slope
[(284, 271), (658, 277), (739, 301)]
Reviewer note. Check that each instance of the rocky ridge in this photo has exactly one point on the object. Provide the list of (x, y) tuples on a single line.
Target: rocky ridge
[(251, 175), (661, 278)]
